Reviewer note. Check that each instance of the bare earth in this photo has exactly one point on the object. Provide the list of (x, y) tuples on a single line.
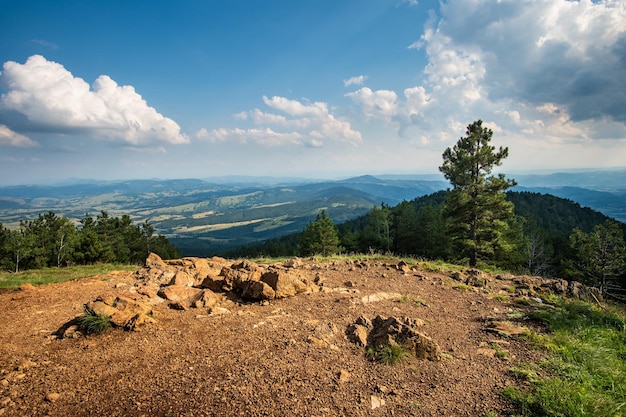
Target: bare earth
[(290, 357)]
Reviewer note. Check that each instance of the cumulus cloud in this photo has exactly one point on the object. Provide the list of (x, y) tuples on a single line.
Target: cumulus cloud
[(571, 53), (47, 97), (11, 138), (307, 124), (357, 80), (552, 69)]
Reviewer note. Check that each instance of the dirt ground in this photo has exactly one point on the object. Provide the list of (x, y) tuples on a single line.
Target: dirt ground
[(290, 357)]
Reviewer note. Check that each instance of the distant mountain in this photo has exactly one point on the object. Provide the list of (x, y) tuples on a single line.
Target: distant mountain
[(201, 215)]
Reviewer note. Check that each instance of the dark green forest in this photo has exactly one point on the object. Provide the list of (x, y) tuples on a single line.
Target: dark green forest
[(540, 235), (51, 240)]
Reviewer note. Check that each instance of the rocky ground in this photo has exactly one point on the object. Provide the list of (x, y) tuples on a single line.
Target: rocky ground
[(290, 351)]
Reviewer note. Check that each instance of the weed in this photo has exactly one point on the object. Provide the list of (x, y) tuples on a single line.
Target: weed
[(420, 302), (501, 353), (501, 297), (388, 354), (91, 322), (585, 372), (446, 356), (462, 287), (403, 299)]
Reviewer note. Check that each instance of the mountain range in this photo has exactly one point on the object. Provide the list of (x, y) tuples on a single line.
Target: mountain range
[(201, 216)]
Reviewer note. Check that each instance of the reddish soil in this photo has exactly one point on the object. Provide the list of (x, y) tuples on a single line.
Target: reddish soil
[(287, 358)]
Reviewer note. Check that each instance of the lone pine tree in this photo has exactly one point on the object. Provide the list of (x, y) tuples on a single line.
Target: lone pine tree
[(476, 210), (320, 237)]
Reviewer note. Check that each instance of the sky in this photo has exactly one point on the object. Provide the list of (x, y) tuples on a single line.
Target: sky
[(122, 89)]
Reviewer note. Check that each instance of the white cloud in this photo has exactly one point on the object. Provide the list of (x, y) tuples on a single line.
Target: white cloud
[(265, 137), (306, 124), (357, 80), (541, 71), (11, 138), (380, 104), (50, 98)]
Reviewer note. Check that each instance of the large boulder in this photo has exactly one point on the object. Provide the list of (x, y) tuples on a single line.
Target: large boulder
[(128, 311), (285, 284), (180, 296), (394, 331), (258, 290)]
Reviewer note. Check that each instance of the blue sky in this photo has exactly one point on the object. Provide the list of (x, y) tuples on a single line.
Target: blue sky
[(323, 89)]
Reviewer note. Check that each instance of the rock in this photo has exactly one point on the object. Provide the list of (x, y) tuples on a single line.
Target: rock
[(357, 333), (52, 397), (179, 293), (394, 331), (380, 296), (284, 284), (317, 342), (258, 290), (491, 353), (72, 332), (344, 376), (182, 278), (403, 266), (293, 263), (100, 308), (376, 402), (218, 311), (207, 299), (154, 261), (213, 282)]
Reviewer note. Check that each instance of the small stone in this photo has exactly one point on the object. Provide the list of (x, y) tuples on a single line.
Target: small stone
[(317, 342), (376, 402), (52, 397), (490, 353), (344, 376), (217, 311)]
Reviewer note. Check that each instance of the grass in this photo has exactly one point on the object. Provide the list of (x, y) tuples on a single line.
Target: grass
[(388, 354), (584, 373), (92, 323), (417, 300), (462, 287), (53, 275)]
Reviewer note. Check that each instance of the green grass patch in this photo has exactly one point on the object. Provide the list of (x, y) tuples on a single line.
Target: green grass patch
[(584, 373), (388, 354), (92, 323), (462, 287), (53, 275)]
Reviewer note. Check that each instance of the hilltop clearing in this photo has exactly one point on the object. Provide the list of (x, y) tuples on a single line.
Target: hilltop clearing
[(276, 356)]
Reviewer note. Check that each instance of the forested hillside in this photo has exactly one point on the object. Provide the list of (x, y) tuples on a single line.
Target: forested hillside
[(541, 233), (51, 240)]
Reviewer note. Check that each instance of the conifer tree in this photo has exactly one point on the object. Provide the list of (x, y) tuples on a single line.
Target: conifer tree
[(476, 209), (320, 237), (601, 253)]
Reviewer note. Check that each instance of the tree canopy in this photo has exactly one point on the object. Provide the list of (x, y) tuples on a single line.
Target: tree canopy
[(51, 240), (476, 210), (320, 237)]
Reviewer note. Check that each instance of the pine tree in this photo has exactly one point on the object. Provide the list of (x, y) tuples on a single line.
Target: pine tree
[(476, 209), (320, 237), (601, 253)]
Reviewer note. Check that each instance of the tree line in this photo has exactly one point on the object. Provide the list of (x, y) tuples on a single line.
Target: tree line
[(477, 222), (51, 240)]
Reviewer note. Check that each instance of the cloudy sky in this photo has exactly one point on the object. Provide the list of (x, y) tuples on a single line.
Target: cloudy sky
[(325, 89)]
